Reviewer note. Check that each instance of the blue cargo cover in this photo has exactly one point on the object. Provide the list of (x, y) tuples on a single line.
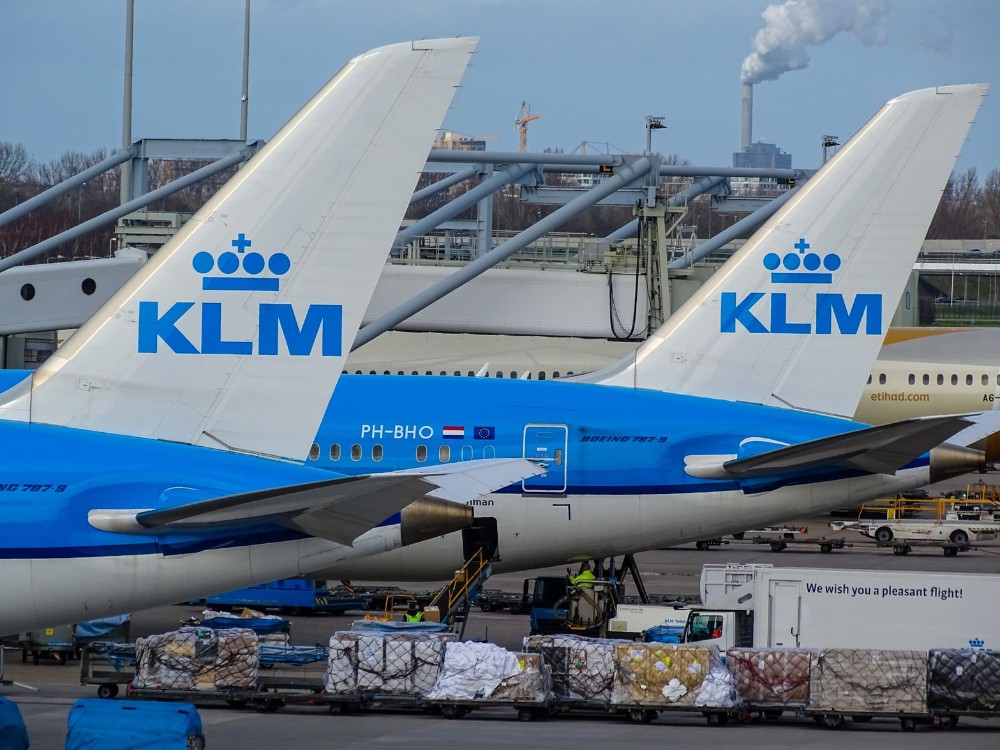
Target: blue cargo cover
[(96, 724), (13, 733)]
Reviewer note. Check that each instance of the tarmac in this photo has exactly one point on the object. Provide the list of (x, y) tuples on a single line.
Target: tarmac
[(45, 692)]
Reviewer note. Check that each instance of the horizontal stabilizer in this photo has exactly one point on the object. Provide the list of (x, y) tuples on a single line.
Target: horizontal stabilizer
[(878, 450), (339, 509)]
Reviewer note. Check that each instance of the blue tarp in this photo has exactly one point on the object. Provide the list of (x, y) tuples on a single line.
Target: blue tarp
[(398, 627), (96, 724), (259, 626), (292, 654), (663, 634), (97, 628), (13, 733)]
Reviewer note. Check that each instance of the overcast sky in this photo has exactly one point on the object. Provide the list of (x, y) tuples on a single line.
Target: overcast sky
[(592, 69)]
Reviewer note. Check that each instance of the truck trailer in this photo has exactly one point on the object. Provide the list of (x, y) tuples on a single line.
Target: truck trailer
[(763, 606)]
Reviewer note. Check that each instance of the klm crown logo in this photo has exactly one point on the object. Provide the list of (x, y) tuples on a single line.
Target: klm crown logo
[(827, 312), (810, 263), (977, 643), (200, 327), (252, 264)]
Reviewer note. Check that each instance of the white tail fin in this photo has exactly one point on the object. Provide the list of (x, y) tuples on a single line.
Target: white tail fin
[(234, 334), (797, 316)]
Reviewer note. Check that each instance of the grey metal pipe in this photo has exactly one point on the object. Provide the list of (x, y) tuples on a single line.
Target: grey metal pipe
[(116, 213), (466, 200), (125, 183), (444, 184), (65, 186), (483, 263), (696, 188), (752, 221)]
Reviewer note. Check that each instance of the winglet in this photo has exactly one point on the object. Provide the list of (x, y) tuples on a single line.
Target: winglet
[(234, 334), (796, 318)]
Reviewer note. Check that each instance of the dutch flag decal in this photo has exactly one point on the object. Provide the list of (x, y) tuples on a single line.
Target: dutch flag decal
[(452, 432)]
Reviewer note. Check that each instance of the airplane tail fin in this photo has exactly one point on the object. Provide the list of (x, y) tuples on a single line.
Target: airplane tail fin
[(796, 318), (234, 334)]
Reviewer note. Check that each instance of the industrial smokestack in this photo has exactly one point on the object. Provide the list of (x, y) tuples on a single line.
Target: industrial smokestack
[(746, 131)]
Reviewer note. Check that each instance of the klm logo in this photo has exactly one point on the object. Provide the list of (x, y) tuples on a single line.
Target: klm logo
[(277, 323), (769, 312)]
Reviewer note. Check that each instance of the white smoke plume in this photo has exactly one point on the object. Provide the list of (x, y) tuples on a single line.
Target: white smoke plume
[(797, 24)]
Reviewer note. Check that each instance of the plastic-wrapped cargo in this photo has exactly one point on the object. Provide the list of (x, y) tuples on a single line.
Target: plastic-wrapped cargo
[(532, 684), (583, 669), (772, 676), (388, 663), (473, 671), (658, 674), (197, 659), (271, 630), (963, 681), (860, 681)]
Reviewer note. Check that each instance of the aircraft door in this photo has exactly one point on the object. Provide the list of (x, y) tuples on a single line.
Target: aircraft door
[(546, 443)]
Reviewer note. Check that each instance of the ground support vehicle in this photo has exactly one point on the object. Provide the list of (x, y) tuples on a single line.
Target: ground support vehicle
[(297, 595), (763, 606), (58, 641), (779, 538), (107, 666), (495, 601), (949, 524)]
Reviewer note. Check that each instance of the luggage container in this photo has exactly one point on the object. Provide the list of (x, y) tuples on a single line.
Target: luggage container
[(133, 725), (13, 733)]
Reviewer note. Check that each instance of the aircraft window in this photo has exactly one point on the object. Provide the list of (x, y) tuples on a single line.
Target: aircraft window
[(335, 452), (376, 452), (467, 454), (555, 373), (489, 452), (458, 373), (421, 453), (881, 379), (414, 373), (513, 375), (386, 372), (541, 375), (355, 452), (499, 373), (940, 379), (313, 452), (557, 457), (912, 379), (444, 454), (88, 286), (569, 373), (28, 292), (400, 372), (372, 372), (869, 380), (927, 379), (954, 379), (986, 379), (358, 372), (472, 374), (429, 373), (968, 380)]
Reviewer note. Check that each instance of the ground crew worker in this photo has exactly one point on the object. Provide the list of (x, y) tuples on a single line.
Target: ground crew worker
[(413, 614), (584, 579)]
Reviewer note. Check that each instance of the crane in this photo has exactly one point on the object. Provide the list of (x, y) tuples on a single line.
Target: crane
[(521, 123)]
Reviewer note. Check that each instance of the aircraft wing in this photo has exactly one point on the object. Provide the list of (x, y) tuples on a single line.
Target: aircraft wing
[(338, 509), (879, 450)]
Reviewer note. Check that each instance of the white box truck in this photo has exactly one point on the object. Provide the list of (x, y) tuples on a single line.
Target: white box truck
[(763, 606)]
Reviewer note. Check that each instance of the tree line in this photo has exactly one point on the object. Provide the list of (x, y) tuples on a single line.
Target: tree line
[(969, 207)]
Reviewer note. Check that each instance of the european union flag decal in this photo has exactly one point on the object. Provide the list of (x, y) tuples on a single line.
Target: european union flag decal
[(484, 433)]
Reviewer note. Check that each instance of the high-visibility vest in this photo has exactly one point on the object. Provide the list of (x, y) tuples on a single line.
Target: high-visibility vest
[(583, 580), (415, 617)]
